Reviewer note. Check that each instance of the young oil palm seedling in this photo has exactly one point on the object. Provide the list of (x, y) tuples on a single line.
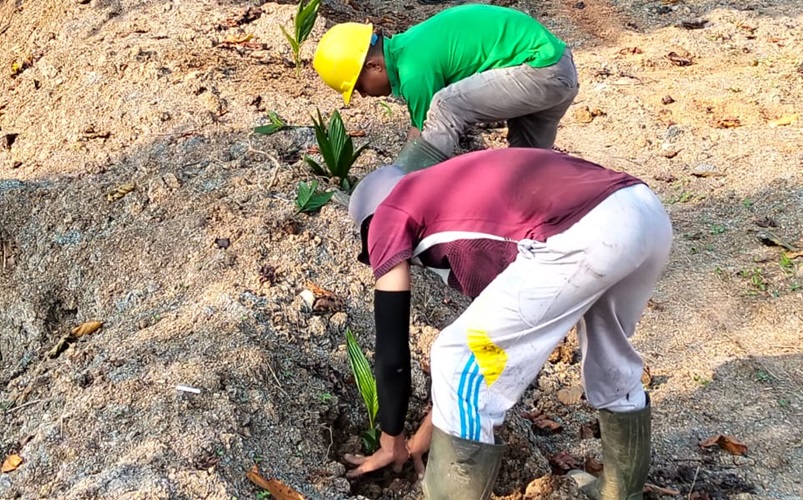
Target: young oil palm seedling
[(303, 24), (308, 200), (366, 383), (337, 150), (276, 124)]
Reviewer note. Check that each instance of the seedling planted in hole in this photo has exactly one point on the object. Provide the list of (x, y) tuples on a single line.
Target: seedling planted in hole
[(276, 124), (366, 383), (336, 147), (303, 24), (307, 200)]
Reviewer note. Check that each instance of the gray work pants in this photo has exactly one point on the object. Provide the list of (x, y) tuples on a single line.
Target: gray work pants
[(531, 100)]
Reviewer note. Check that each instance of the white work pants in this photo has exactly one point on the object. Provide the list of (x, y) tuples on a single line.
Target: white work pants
[(601, 270)]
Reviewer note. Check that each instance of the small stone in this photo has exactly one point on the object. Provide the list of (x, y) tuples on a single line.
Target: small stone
[(308, 298), (706, 170), (222, 243), (172, 181), (672, 131)]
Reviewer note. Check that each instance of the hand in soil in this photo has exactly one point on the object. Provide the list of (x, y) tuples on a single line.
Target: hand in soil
[(419, 444), (392, 450), (413, 133)]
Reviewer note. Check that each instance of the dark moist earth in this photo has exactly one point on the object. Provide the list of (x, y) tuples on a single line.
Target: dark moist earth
[(199, 273)]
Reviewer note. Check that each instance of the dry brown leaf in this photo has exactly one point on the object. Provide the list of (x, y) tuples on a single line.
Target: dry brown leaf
[(562, 463), (646, 377), (784, 120), (60, 346), (86, 328), (729, 122), (593, 467), (583, 115), (570, 396), (318, 291), (120, 192), (11, 463), (357, 133), (277, 489), (235, 39), (667, 99), (541, 421), (631, 50), (679, 60), (590, 430), (727, 443), (651, 488)]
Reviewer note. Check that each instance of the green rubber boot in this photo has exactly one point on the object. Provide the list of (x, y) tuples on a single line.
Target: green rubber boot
[(626, 457), (459, 469), (418, 154)]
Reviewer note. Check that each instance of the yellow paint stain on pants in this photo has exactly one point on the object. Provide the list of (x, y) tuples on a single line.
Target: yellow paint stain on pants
[(490, 357)]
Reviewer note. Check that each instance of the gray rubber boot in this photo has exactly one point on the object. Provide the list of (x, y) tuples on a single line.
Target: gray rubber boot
[(625, 456), (460, 469)]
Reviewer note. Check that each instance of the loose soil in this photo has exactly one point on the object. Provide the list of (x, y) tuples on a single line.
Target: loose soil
[(197, 273)]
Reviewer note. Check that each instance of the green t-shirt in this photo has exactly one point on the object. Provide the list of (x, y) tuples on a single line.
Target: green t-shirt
[(459, 42)]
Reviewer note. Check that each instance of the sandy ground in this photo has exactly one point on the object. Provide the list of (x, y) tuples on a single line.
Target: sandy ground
[(99, 94)]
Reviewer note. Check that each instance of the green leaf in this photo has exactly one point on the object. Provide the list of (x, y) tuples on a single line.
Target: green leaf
[(307, 200), (305, 19), (370, 440), (304, 193), (276, 124), (293, 43), (317, 201), (341, 143), (267, 129), (324, 140), (366, 382), (316, 168)]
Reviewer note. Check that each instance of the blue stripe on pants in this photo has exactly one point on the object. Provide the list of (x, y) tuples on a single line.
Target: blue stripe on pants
[(468, 400)]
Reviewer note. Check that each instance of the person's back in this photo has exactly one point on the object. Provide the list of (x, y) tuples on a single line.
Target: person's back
[(467, 64)]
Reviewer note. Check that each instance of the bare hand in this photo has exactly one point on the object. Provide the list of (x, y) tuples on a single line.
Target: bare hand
[(413, 133), (392, 450), (419, 444)]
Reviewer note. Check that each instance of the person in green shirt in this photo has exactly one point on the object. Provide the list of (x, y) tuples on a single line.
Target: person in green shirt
[(468, 64)]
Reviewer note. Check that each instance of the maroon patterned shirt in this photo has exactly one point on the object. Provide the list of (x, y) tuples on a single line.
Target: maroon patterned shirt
[(464, 217)]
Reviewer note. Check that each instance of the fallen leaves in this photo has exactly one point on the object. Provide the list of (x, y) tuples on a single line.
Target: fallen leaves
[(646, 377), (570, 396), (728, 122), (679, 60), (120, 192), (630, 50), (667, 99), (542, 422), (727, 443), (86, 328), (587, 115), (325, 301), (694, 25), (11, 463), (277, 489), (76, 333), (590, 430), (783, 121), (563, 462), (237, 39)]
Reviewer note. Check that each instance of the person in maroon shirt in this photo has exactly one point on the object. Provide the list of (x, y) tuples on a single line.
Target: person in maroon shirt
[(542, 241)]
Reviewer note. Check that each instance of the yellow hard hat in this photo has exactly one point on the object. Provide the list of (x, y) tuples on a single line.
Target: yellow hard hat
[(340, 55)]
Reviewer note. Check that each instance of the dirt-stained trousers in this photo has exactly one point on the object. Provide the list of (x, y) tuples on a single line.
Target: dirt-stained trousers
[(600, 273), (532, 100)]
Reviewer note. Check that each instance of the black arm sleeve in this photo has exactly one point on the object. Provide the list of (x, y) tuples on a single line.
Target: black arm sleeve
[(392, 317)]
